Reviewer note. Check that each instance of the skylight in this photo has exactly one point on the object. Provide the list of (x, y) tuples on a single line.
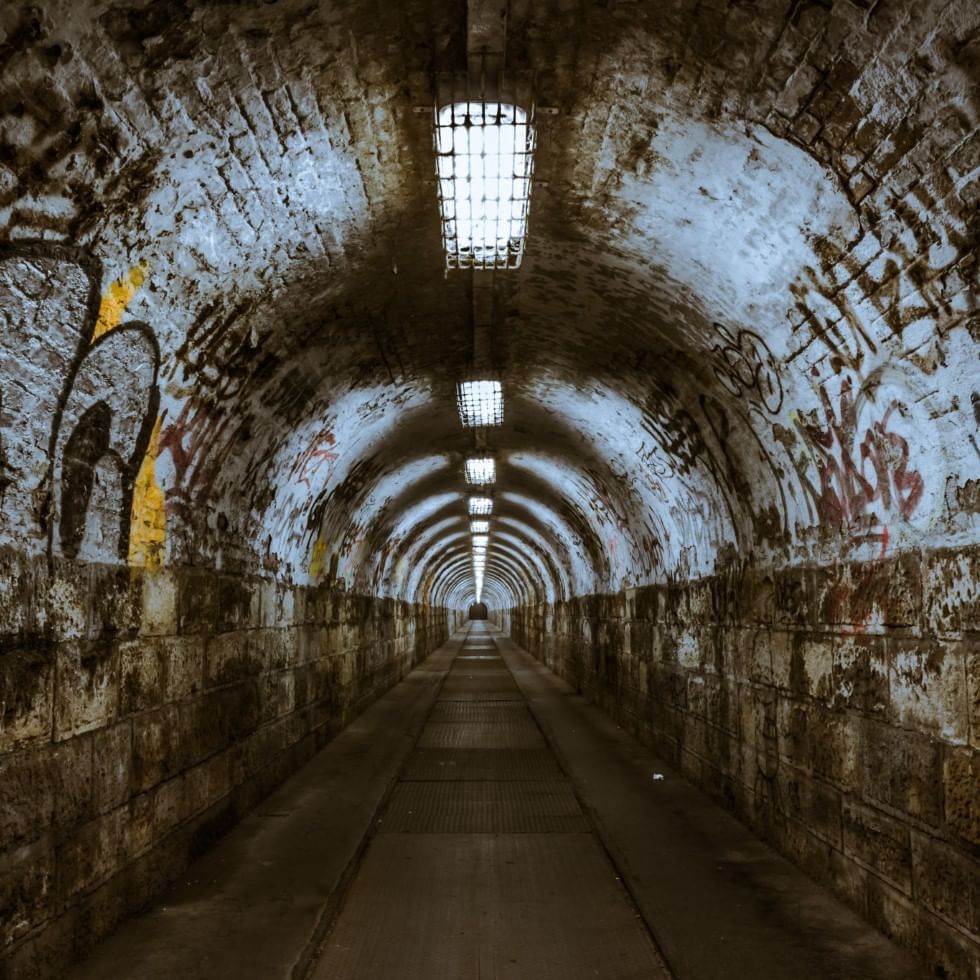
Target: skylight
[(479, 527), (480, 506), (480, 541), (481, 471), (484, 157), (481, 403)]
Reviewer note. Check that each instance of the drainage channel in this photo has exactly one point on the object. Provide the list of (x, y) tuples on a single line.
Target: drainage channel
[(482, 862)]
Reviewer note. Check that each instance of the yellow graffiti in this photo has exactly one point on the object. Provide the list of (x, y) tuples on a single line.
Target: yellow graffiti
[(148, 516), (115, 300), (316, 559)]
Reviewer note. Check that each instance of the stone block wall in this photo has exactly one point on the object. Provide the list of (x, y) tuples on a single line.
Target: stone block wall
[(835, 710), (141, 714)]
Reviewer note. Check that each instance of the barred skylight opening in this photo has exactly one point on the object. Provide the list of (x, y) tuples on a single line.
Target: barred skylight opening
[(480, 541), (481, 506), (481, 403), (481, 471), (479, 527), (484, 160)]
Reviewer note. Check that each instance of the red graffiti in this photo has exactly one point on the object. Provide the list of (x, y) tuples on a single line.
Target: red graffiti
[(863, 475), (317, 455), (193, 440)]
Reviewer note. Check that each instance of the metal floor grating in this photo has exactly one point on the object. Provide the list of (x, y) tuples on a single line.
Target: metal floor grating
[(495, 711), (481, 764), (520, 734), (498, 807)]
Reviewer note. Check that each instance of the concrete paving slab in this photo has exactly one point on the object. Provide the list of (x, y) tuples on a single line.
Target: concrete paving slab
[(469, 906)]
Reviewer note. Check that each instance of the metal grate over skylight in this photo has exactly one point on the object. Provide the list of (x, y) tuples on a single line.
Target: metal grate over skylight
[(479, 571), (484, 161), (479, 527), (481, 471), (481, 403), (481, 506)]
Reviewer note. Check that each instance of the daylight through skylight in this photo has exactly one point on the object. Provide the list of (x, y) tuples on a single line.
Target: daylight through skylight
[(481, 471), (481, 403), (480, 506), (484, 156)]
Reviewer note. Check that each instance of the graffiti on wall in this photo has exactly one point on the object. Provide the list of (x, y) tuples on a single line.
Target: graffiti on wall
[(196, 448), (746, 367), (865, 474), (871, 452), (317, 455), (78, 412), (722, 439), (863, 296)]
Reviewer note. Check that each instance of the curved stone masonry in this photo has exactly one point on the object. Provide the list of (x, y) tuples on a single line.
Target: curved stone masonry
[(740, 362)]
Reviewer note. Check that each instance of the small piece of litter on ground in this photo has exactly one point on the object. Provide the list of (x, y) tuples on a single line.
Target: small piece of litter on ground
[(657, 776)]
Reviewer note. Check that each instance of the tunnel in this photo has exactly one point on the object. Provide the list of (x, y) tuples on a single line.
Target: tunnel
[(489, 488)]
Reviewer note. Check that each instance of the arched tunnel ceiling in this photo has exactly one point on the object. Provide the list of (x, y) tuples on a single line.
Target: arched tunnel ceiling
[(745, 325)]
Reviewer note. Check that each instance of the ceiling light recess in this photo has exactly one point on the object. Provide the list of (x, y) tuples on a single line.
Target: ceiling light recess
[(481, 506), (481, 403), (484, 162), (481, 471)]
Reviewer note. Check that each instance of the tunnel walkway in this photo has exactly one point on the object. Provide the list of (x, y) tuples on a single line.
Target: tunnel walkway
[(484, 864), (481, 820)]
